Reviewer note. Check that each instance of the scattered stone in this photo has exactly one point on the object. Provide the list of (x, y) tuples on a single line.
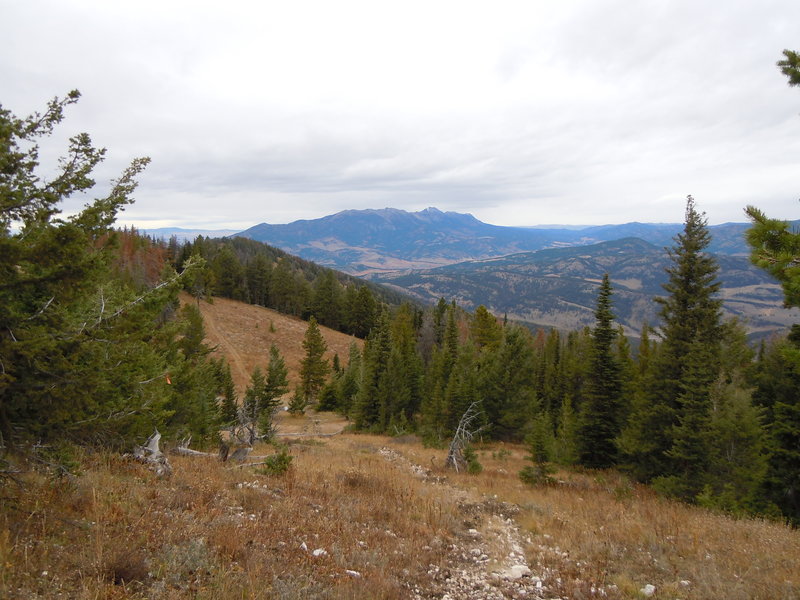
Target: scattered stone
[(516, 572), (648, 590), (319, 552), (354, 574)]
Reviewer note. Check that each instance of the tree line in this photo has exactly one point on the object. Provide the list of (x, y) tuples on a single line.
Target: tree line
[(94, 349), (254, 272)]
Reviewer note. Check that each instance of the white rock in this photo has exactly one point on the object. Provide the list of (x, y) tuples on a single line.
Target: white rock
[(648, 590), (304, 547), (355, 574), (319, 552), (517, 572)]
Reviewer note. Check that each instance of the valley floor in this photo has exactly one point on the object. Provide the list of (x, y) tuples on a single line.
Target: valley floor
[(368, 517)]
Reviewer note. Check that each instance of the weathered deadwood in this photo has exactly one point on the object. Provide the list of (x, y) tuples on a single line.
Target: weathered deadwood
[(183, 449), (462, 438), (306, 434), (151, 455)]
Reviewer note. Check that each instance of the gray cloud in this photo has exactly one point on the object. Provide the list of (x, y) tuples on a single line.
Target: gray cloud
[(521, 113)]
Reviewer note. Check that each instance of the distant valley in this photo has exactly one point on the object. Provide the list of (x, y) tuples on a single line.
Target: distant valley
[(558, 287), (543, 276)]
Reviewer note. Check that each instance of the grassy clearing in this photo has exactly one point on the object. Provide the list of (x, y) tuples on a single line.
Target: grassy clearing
[(381, 520)]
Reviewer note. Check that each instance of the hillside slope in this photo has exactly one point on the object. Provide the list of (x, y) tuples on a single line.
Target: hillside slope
[(558, 287), (377, 241), (243, 334)]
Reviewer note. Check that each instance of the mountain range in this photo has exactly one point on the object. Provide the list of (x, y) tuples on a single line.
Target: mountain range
[(364, 242), (543, 276)]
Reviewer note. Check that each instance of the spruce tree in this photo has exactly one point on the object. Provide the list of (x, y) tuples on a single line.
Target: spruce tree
[(401, 390), (666, 431), (601, 410), (366, 405), (84, 354), (506, 385), (226, 389), (276, 384), (314, 367)]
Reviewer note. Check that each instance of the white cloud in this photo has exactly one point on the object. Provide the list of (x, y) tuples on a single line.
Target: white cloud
[(519, 112)]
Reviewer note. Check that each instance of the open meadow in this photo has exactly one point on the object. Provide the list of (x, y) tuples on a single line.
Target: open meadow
[(361, 516)]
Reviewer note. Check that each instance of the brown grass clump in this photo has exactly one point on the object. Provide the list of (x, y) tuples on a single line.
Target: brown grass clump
[(361, 517)]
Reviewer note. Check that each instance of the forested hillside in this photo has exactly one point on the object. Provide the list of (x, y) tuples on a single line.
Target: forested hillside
[(389, 240), (557, 287), (254, 272)]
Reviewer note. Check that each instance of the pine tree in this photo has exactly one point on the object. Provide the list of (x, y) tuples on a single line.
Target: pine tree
[(506, 385), (326, 302), (777, 393), (348, 383), (84, 355), (400, 391), (276, 384), (229, 411), (601, 410), (776, 249), (566, 450), (665, 433), (228, 274), (366, 405), (790, 66), (314, 367), (277, 381), (257, 276), (485, 330)]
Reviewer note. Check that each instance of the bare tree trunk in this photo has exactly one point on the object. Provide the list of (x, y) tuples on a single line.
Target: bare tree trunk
[(462, 438)]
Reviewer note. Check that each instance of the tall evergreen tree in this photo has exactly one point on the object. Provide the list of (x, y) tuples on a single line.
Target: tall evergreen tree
[(366, 405), (314, 366), (672, 416), (601, 410), (83, 355), (401, 387), (506, 385), (485, 330)]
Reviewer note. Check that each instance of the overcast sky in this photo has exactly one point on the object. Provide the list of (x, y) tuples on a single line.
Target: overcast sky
[(521, 113)]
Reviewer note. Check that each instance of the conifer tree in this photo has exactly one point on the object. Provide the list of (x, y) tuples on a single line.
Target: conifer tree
[(229, 412), (506, 385), (314, 366), (401, 389), (461, 390), (326, 302), (84, 355), (485, 330), (257, 276), (253, 395), (348, 383), (566, 450), (601, 410), (276, 384), (665, 433), (366, 405)]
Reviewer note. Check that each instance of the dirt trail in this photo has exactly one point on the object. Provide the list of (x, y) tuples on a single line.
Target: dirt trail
[(487, 560)]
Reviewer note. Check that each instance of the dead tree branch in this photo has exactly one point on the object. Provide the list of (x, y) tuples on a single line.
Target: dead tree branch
[(463, 438)]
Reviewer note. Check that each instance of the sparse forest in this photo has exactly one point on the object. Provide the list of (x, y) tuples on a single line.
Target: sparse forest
[(96, 352)]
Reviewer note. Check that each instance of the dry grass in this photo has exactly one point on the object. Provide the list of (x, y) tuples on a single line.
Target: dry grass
[(379, 508), (243, 333)]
